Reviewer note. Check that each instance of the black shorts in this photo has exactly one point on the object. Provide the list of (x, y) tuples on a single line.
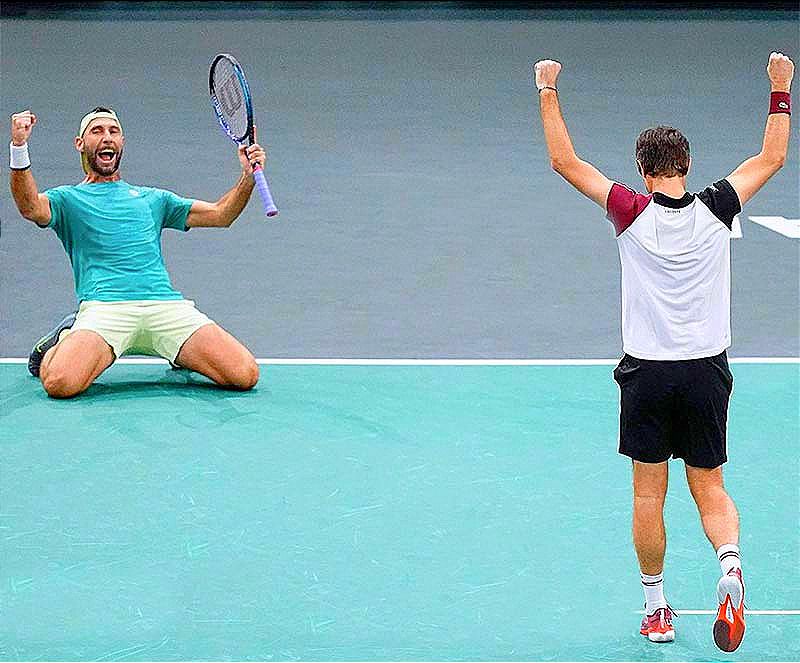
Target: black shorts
[(674, 408)]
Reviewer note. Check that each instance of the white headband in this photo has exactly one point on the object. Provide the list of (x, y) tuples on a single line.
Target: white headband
[(111, 115)]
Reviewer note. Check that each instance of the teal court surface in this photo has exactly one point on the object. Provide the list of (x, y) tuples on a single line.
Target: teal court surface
[(372, 511)]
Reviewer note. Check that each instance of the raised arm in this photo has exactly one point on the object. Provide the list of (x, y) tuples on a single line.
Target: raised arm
[(580, 174), (753, 173), (31, 204), (224, 212)]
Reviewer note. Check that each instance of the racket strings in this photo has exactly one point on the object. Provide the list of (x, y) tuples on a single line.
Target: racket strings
[(230, 101)]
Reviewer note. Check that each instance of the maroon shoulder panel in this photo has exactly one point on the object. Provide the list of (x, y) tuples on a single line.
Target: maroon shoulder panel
[(624, 205)]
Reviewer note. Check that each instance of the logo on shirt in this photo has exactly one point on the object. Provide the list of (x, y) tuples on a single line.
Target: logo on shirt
[(133, 192)]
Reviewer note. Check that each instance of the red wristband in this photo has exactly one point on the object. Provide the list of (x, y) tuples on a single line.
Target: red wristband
[(780, 102)]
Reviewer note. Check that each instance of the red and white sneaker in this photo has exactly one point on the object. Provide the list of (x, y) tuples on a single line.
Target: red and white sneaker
[(658, 626), (729, 627)]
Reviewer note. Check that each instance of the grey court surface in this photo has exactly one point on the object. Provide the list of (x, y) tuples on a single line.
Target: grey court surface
[(386, 512), (419, 215)]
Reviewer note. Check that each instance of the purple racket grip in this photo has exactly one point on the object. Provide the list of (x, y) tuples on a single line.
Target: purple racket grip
[(263, 189)]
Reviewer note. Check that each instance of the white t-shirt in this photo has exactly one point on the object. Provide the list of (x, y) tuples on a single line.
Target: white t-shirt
[(676, 275)]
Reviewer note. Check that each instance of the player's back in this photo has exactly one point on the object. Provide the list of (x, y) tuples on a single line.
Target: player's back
[(675, 256)]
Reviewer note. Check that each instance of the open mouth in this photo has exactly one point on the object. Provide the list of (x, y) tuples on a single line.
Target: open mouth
[(106, 156)]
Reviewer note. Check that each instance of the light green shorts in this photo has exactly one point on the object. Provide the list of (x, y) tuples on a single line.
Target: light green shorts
[(144, 327)]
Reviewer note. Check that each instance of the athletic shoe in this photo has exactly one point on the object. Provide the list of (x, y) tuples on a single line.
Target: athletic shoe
[(658, 626), (47, 342), (729, 627)]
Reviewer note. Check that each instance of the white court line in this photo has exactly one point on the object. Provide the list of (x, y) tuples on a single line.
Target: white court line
[(433, 362), (780, 224), (746, 612)]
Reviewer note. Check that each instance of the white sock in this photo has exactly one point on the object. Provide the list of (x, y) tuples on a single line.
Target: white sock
[(653, 592), (728, 556)]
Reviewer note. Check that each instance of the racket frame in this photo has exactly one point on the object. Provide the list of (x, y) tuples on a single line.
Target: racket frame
[(258, 171)]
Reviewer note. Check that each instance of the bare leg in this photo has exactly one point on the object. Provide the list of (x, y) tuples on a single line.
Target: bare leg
[(219, 356), (649, 535), (721, 524), (70, 366), (717, 510)]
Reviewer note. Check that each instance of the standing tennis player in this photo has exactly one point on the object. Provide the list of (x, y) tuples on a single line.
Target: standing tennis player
[(674, 377), (111, 231)]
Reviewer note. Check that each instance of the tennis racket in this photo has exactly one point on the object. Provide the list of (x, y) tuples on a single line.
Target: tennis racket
[(233, 106)]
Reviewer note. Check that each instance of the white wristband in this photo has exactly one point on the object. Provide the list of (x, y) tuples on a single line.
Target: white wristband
[(20, 159)]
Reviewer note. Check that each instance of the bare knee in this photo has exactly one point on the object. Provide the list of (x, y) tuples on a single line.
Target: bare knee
[(648, 501), (648, 507), (249, 376), (650, 482), (651, 492), (245, 377), (58, 384)]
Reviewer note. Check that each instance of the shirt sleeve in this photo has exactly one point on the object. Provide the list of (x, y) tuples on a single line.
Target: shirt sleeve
[(175, 210), (723, 201), (57, 210), (623, 206)]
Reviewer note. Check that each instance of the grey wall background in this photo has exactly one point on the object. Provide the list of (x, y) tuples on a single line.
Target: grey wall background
[(419, 215)]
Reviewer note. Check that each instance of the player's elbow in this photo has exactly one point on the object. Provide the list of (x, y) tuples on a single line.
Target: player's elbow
[(34, 214), (773, 161), (561, 164), (779, 162), (27, 213), (774, 164)]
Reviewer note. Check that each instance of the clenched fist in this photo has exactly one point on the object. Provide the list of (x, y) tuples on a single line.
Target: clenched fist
[(780, 70), (21, 127), (546, 73)]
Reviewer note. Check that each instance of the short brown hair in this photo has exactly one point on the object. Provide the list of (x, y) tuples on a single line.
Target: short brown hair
[(662, 152)]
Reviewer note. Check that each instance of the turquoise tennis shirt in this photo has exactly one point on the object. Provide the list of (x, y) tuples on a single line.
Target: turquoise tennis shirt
[(112, 234)]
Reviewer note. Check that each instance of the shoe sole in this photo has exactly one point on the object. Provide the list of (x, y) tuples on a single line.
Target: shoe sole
[(669, 636), (728, 634)]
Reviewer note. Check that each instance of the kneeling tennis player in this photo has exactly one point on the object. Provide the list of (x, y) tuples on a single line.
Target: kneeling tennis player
[(111, 231)]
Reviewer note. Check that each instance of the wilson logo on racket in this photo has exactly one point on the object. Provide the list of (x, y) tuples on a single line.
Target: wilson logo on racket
[(230, 95)]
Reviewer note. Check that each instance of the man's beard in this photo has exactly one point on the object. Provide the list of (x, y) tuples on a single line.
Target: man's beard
[(103, 168)]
